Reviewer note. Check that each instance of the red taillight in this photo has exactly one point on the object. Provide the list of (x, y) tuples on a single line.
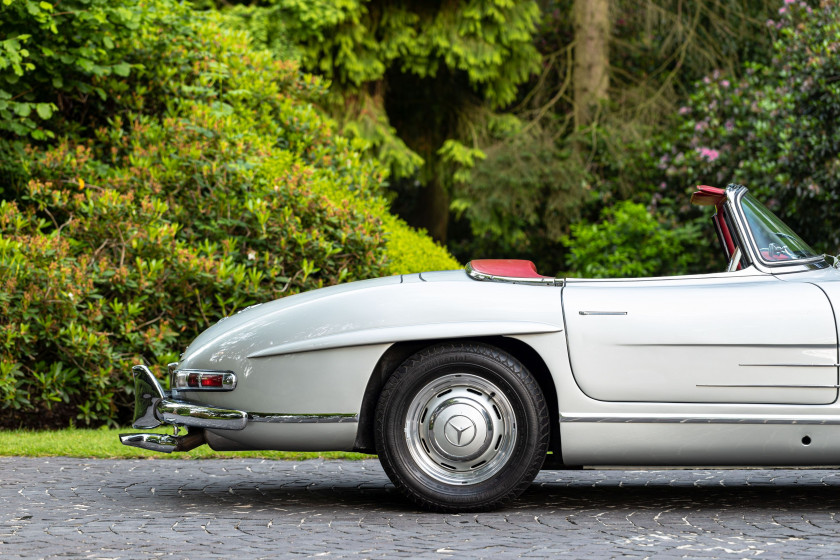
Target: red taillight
[(202, 380), (211, 380)]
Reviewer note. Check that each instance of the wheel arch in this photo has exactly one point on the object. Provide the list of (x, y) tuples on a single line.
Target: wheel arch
[(401, 351)]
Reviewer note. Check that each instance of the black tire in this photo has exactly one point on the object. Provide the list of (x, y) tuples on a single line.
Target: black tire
[(462, 427)]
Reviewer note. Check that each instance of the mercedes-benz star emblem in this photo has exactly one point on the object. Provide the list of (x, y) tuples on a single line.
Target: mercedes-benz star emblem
[(460, 431)]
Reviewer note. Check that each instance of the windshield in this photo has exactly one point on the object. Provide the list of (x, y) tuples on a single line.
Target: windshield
[(775, 241)]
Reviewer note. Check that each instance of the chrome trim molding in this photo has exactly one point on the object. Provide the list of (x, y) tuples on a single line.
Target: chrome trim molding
[(274, 418), (815, 421), (602, 312), (790, 365), (792, 386), (484, 277)]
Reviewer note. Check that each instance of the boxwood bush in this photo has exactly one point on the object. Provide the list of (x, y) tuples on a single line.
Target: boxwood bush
[(212, 182)]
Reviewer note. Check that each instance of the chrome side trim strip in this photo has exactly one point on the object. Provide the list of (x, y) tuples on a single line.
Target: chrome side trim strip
[(724, 345), (602, 312), (274, 418), (790, 365), (815, 421), (738, 386), (484, 277), (181, 413)]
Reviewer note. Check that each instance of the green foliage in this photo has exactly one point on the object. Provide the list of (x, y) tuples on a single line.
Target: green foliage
[(543, 174), (59, 55), (628, 242), (266, 27), (415, 82), (522, 199), (775, 129), (409, 252), (355, 42), (213, 184)]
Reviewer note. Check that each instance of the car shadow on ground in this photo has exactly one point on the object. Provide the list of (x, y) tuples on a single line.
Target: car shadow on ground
[(569, 494), (662, 496)]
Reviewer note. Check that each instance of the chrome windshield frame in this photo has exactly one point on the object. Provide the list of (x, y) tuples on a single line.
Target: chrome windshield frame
[(734, 194)]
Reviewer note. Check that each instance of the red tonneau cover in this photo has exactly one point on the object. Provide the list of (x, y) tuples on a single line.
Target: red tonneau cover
[(512, 268)]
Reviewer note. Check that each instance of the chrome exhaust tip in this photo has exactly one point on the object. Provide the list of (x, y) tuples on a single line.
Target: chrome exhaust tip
[(164, 443)]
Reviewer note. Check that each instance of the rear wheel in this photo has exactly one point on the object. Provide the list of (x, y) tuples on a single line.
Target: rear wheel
[(462, 427)]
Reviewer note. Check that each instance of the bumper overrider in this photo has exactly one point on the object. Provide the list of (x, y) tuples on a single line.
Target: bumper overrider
[(153, 407)]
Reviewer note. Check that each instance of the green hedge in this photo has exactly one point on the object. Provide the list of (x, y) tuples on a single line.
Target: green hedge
[(213, 182)]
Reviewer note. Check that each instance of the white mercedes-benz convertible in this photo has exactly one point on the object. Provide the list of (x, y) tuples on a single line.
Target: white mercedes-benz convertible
[(467, 382)]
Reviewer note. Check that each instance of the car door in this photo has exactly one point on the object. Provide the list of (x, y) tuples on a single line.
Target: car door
[(742, 337)]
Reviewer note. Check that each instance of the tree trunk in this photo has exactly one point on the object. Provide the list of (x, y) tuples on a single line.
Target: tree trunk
[(433, 209), (592, 57)]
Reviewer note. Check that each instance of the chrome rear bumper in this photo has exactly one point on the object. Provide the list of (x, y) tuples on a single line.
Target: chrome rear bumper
[(153, 407)]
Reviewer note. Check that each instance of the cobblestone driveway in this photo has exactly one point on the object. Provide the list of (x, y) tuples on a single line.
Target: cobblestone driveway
[(75, 508)]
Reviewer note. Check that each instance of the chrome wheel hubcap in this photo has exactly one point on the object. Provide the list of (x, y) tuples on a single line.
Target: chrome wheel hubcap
[(460, 429)]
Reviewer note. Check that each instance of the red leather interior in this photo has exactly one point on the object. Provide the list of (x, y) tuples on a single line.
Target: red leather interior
[(727, 236), (515, 268), (713, 196), (780, 257)]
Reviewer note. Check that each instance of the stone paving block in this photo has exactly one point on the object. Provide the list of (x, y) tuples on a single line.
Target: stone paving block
[(71, 508)]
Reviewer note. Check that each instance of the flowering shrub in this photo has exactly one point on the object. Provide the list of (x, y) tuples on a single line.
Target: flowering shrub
[(215, 184), (775, 130)]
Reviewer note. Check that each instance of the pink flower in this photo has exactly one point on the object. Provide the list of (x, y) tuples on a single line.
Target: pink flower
[(725, 83), (782, 10), (684, 110), (709, 154)]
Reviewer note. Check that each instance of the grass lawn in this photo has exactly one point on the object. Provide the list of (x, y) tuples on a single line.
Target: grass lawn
[(105, 444)]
